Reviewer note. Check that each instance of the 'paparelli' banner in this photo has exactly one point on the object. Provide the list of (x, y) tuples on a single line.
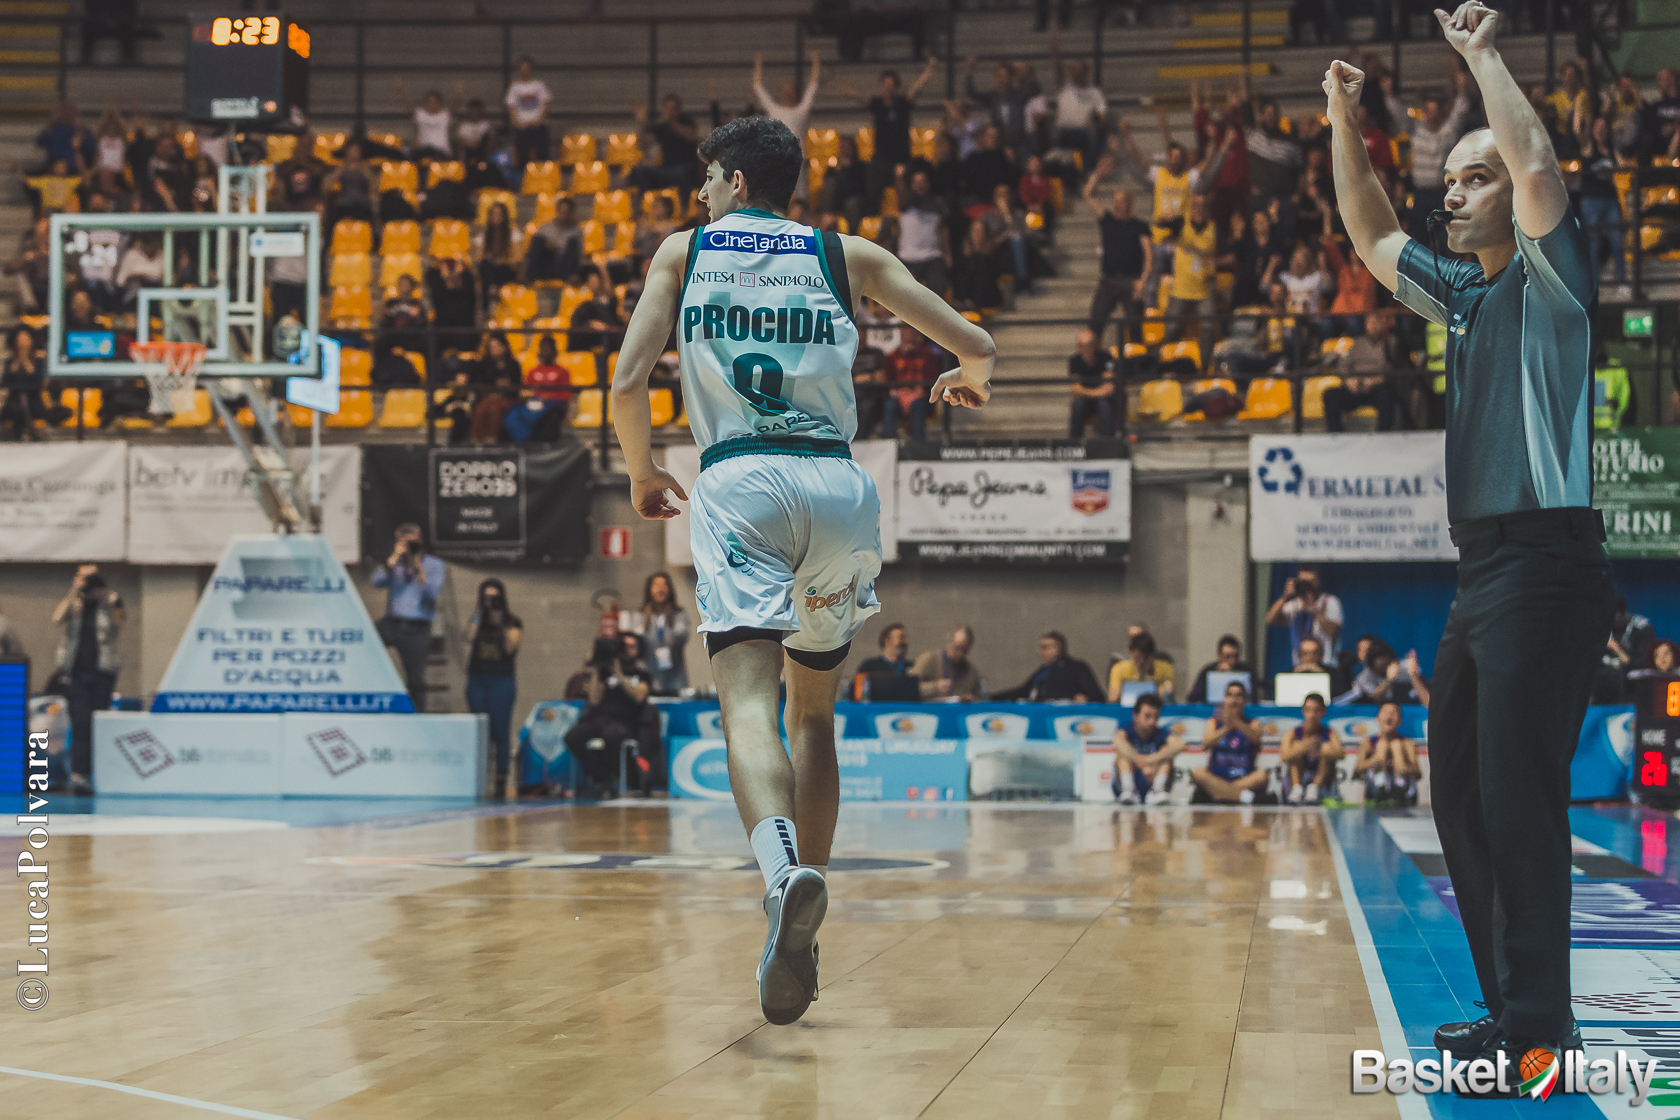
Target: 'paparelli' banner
[(1349, 497), (1636, 483)]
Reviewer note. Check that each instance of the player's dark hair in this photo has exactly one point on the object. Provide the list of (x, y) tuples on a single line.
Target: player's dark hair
[(1386, 703), (893, 74), (1311, 696), (1228, 640), (1142, 643), (1239, 686), (1059, 638), (764, 151), (886, 631), (1147, 700)]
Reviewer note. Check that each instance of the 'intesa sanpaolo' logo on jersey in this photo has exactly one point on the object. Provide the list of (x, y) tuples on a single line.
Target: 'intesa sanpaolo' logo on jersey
[(816, 600), (746, 241)]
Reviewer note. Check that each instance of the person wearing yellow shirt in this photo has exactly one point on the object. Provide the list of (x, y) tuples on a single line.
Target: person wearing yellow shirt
[(1195, 247), (1141, 665), (57, 189)]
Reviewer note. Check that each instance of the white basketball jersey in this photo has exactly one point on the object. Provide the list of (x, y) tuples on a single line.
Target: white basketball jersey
[(765, 341)]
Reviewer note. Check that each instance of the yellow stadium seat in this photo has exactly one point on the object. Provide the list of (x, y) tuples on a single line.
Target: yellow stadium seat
[(589, 407), (889, 202), (415, 359), (1312, 396), (1057, 199), (1268, 399), (1034, 221), (452, 170), (355, 367), (489, 196), (817, 170), (404, 408), (351, 307), (1197, 387), (623, 150), (663, 405), (327, 145), (135, 423), (1659, 196), (540, 178), (399, 237), (451, 238), (577, 147), (869, 228), (547, 204), (1335, 347), (352, 236), (570, 299), (394, 265), (648, 202), (921, 142), (580, 364), (594, 237), (245, 418), (1161, 400), (865, 140), (404, 177), (612, 207), (1179, 351), (301, 416), (1133, 350), (87, 400), (388, 140), (516, 301), (355, 410), (1154, 326), (350, 270), (200, 414), (587, 178), (822, 143), (280, 148)]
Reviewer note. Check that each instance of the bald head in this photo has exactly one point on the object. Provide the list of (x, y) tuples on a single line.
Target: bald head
[(1479, 195), (1121, 204)]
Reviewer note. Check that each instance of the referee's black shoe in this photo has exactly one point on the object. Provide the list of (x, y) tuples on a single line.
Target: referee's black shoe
[(1468, 1038)]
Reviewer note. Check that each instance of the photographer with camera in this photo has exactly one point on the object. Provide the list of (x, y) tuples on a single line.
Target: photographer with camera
[(1309, 611), (618, 716), (92, 615), (413, 581), (492, 645)]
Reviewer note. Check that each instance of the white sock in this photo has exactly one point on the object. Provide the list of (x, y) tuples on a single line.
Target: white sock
[(776, 845), (819, 868), (1161, 777)]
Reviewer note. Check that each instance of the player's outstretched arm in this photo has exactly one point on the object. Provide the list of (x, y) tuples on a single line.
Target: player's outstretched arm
[(1366, 211), (1539, 198), (644, 341), (882, 277)]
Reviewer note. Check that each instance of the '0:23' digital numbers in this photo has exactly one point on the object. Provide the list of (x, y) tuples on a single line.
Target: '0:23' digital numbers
[(251, 31)]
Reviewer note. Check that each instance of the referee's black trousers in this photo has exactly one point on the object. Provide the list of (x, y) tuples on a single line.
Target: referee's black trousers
[(1512, 679)]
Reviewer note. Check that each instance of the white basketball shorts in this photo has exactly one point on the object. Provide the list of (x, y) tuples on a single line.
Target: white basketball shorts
[(785, 542)]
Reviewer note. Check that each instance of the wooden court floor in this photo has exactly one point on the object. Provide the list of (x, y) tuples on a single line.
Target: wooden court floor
[(1029, 962)]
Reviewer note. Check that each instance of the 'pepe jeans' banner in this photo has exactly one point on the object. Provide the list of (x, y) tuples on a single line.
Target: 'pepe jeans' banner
[(63, 501), (968, 504), (1636, 482), (184, 502), (1349, 497)]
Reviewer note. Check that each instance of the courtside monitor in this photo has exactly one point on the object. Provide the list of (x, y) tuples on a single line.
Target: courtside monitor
[(1218, 682), (1131, 690), (1290, 690)]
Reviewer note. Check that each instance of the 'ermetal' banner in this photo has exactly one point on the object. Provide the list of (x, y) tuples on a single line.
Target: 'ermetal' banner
[(1636, 482), (491, 503), (1044, 502), (1349, 497)]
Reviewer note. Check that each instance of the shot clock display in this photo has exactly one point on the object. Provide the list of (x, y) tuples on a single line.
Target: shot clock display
[(246, 69), (1656, 734)]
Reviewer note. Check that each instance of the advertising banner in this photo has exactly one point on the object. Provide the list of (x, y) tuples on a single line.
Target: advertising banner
[(384, 756), (63, 501), (870, 769), (149, 753), (280, 628), (1039, 503), (1349, 497), (185, 502), (1636, 482), (478, 504), (877, 456)]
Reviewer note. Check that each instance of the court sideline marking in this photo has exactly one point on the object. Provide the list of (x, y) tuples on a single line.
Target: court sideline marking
[(207, 1106), (1412, 1106)]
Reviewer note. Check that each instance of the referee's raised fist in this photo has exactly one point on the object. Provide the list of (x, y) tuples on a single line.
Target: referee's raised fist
[(1342, 84)]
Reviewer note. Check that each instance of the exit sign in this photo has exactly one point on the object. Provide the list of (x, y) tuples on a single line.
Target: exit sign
[(1638, 322), (615, 544)]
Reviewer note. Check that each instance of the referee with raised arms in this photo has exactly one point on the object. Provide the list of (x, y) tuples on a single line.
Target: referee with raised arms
[(1534, 591)]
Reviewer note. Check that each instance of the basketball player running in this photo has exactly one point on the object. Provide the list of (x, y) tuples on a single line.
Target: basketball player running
[(1534, 588), (785, 525)]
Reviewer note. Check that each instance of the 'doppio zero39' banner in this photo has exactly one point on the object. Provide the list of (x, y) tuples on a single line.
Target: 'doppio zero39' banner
[(1636, 483), (477, 504)]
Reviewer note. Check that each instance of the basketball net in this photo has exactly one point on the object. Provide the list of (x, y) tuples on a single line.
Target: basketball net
[(174, 373)]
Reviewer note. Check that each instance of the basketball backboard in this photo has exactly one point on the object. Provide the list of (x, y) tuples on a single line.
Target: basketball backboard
[(174, 286)]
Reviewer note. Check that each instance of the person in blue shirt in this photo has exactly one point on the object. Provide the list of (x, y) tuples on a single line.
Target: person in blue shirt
[(1143, 754), (413, 581), (1534, 586), (1232, 742)]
